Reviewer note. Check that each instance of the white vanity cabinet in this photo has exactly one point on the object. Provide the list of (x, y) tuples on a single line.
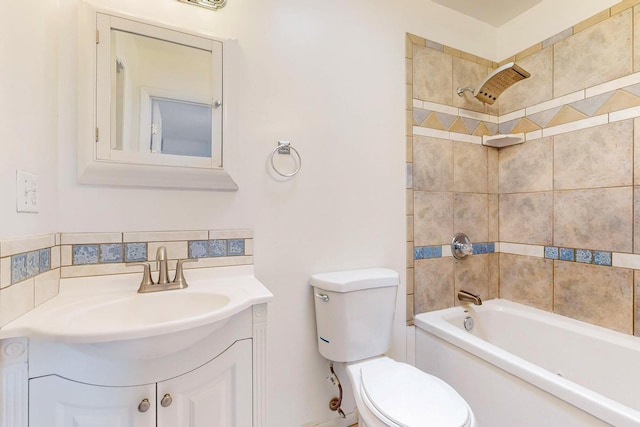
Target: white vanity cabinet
[(99, 353), (217, 394), (57, 402)]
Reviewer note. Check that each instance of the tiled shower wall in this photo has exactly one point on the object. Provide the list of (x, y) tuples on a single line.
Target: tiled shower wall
[(31, 267), (562, 210)]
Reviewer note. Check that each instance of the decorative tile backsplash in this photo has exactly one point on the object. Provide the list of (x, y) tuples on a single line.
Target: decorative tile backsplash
[(31, 267)]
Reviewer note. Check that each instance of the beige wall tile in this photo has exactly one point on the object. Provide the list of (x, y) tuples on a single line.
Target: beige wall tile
[(610, 41), (410, 254), (248, 246), (494, 217), (623, 5), (591, 21), (408, 65), (636, 151), (216, 262), (409, 201), (164, 236), (636, 38), (432, 164), (595, 294), (471, 216), (527, 280), (493, 166), (229, 234), (101, 269), (90, 238), (46, 286), (601, 156), (409, 228), (472, 275), (55, 257), (10, 247), (434, 284), (175, 250), (5, 272), (433, 218), (410, 149), (16, 300), (527, 167), (528, 51), (494, 276), (533, 90), (432, 76), (594, 219), (66, 255), (470, 167), (636, 220), (410, 280), (467, 74), (636, 303), (410, 311), (526, 218)]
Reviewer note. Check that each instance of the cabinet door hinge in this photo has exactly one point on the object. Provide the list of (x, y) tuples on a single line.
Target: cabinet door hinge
[(97, 37), (97, 134)]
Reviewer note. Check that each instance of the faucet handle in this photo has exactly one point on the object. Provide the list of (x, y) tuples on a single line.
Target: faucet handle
[(147, 280), (179, 278)]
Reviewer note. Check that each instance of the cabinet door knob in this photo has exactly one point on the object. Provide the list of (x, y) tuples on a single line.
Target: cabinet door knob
[(166, 400), (144, 405)]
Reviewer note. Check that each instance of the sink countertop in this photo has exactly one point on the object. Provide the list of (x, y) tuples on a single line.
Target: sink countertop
[(108, 308)]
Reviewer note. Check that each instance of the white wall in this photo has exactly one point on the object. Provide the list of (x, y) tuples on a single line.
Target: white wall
[(328, 76), (28, 107)]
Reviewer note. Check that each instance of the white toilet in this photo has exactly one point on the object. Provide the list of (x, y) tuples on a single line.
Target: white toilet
[(354, 315)]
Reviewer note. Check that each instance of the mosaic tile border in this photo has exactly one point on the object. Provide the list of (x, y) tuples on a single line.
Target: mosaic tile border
[(584, 256), (601, 258), (609, 102), (439, 251), (30, 264)]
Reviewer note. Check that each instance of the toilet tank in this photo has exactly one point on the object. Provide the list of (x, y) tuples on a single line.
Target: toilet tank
[(354, 312)]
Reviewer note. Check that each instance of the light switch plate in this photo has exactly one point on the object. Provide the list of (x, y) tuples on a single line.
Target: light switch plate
[(26, 192)]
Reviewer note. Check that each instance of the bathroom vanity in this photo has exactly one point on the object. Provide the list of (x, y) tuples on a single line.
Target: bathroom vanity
[(102, 354)]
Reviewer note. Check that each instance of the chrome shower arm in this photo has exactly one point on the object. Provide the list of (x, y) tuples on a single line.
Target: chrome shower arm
[(461, 90)]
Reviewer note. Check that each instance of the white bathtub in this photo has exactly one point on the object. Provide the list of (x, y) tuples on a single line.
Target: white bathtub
[(522, 367)]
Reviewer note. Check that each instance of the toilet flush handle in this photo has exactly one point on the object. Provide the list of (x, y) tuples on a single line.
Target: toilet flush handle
[(323, 297)]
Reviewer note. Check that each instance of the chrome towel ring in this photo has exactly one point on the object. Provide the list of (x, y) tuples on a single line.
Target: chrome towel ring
[(284, 147)]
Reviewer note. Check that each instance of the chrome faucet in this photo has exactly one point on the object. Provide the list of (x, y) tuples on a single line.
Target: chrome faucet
[(464, 296), (163, 284)]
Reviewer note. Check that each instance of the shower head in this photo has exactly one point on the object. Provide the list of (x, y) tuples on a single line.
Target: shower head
[(495, 83)]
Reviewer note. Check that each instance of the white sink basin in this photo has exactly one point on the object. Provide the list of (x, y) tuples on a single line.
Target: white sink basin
[(105, 315)]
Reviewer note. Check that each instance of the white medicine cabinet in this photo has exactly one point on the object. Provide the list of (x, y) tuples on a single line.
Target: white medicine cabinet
[(150, 104)]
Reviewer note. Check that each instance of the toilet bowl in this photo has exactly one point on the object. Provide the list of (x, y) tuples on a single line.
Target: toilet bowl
[(392, 394), (354, 319)]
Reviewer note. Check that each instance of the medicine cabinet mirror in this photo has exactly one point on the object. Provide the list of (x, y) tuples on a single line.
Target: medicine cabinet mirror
[(150, 105)]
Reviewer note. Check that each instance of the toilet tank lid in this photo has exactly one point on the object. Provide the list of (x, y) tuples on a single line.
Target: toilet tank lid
[(355, 280)]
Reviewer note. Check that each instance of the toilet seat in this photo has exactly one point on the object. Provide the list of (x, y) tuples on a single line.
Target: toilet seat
[(404, 396)]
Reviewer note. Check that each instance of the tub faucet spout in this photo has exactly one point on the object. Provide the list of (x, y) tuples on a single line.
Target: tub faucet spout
[(464, 296)]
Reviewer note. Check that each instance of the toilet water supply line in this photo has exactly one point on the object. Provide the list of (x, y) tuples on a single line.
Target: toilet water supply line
[(336, 402)]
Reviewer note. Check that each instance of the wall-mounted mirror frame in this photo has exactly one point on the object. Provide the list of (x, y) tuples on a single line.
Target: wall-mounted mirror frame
[(99, 161)]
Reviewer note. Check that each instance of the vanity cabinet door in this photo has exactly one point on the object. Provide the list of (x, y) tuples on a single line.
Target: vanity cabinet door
[(217, 394), (57, 402)]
